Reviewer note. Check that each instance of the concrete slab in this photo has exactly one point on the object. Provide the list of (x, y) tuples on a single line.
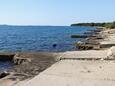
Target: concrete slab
[(107, 44), (93, 54), (76, 73)]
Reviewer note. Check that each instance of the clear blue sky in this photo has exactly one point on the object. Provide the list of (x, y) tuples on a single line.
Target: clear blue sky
[(55, 12)]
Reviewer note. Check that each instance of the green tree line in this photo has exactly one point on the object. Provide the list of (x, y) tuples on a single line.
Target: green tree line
[(107, 25)]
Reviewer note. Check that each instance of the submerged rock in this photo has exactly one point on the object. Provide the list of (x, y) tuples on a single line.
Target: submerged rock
[(54, 45)]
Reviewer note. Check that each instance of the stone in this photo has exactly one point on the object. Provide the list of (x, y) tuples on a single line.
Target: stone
[(3, 74), (111, 53), (17, 60)]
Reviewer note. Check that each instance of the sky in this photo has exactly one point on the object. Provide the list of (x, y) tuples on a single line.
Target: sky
[(55, 12)]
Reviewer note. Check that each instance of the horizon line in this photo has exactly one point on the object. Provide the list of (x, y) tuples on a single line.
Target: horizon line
[(30, 25)]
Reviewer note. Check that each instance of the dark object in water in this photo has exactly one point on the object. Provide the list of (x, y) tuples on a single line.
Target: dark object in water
[(3, 74), (81, 36), (97, 30), (88, 33), (54, 45)]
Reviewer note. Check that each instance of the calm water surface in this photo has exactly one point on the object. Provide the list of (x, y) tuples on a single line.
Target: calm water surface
[(38, 38)]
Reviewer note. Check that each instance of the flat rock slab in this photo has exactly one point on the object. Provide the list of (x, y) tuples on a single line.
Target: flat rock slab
[(93, 54), (107, 44), (76, 73)]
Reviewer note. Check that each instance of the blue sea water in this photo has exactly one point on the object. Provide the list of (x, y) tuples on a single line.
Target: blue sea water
[(5, 65), (39, 38)]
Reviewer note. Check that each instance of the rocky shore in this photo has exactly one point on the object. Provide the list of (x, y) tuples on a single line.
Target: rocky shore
[(91, 40), (26, 65), (94, 64)]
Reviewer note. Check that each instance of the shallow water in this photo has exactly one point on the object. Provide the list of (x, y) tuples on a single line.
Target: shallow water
[(39, 38), (5, 65)]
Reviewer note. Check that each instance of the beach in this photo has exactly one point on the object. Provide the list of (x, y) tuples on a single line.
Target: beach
[(93, 67)]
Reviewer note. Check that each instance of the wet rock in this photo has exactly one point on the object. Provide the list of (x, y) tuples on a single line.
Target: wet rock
[(20, 60), (4, 74), (6, 56), (85, 47), (36, 62), (79, 36)]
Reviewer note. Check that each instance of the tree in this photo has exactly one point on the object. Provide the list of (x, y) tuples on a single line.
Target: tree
[(113, 25)]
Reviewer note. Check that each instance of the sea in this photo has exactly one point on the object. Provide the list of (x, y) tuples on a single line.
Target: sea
[(39, 38)]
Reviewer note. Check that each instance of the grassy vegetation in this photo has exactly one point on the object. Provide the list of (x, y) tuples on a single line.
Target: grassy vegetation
[(107, 25)]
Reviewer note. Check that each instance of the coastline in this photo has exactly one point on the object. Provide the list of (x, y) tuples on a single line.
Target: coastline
[(46, 60), (35, 63)]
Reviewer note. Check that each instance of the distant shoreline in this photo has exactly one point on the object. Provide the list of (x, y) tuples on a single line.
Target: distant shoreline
[(104, 24)]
